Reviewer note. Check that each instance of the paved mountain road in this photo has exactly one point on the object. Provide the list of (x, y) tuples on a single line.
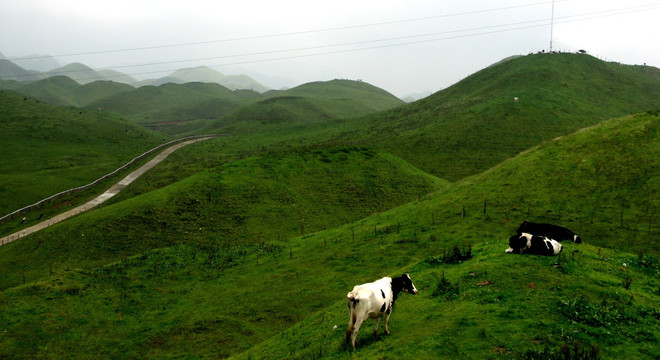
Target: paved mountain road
[(101, 198)]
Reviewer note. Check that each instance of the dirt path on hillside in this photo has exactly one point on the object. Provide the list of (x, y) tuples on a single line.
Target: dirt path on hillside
[(101, 198)]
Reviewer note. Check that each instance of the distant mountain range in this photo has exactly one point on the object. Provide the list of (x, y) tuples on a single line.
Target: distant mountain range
[(34, 68)]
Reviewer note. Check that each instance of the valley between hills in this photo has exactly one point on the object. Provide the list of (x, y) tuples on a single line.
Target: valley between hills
[(244, 246)]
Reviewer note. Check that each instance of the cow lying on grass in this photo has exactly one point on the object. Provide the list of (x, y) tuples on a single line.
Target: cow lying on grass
[(550, 231), (533, 244), (373, 300)]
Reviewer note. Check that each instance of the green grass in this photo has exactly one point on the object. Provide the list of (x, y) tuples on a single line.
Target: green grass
[(204, 295), (263, 198), (246, 246), (47, 149)]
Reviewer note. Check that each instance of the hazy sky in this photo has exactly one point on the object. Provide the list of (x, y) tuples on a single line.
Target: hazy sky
[(402, 46)]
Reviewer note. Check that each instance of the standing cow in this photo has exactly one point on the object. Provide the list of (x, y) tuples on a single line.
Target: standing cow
[(550, 231), (373, 300)]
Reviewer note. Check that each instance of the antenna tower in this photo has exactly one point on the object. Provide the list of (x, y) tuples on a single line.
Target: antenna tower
[(552, 22)]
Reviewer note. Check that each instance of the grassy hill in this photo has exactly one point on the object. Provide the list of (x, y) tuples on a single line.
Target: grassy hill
[(311, 103), (174, 102), (252, 200), (63, 91), (220, 282), (205, 74), (475, 124), (48, 149)]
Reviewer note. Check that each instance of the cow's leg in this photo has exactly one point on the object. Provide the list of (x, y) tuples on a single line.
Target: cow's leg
[(351, 324), (387, 319), (356, 328), (376, 328)]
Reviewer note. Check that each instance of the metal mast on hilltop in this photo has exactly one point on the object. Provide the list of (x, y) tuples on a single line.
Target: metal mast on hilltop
[(552, 22)]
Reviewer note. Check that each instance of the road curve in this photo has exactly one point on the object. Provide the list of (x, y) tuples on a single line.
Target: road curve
[(101, 198)]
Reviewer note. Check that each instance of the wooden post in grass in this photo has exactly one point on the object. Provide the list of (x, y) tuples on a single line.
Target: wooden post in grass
[(463, 212), (485, 205)]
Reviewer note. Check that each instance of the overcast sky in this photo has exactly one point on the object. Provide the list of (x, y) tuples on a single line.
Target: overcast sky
[(401, 46)]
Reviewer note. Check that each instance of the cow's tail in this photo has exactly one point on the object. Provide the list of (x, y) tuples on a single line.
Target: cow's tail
[(352, 300)]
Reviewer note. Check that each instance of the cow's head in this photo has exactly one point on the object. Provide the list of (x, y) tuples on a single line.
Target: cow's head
[(408, 285), (522, 228), (518, 241), (577, 239)]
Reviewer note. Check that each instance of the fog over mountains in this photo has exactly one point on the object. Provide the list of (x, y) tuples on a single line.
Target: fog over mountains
[(38, 67)]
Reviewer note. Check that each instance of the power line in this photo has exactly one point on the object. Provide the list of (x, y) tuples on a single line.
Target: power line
[(508, 27), (284, 34)]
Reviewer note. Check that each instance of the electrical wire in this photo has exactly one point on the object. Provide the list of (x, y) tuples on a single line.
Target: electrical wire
[(265, 36), (507, 27)]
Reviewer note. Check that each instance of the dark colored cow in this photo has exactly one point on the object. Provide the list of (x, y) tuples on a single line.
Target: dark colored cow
[(533, 244), (550, 231)]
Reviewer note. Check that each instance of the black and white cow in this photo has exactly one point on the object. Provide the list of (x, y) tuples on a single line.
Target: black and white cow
[(550, 231), (373, 300), (533, 244)]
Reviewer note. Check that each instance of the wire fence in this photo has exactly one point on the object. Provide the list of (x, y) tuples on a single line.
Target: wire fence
[(64, 193)]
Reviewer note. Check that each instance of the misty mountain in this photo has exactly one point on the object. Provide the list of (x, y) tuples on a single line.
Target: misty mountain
[(41, 63), (207, 75), (81, 73), (11, 71)]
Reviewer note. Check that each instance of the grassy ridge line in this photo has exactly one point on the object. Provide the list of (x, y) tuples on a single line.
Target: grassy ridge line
[(475, 124)]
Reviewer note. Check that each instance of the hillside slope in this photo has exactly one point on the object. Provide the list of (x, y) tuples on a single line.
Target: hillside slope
[(48, 149), (311, 103), (591, 302), (259, 198), (475, 124), (286, 299)]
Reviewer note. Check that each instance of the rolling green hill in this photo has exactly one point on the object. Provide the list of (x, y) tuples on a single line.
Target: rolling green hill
[(222, 284), (475, 124), (310, 103), (48, 149), (63, 91), (258, 198), (174, 102)]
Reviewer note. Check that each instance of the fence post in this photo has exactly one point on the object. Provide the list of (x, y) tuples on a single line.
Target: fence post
[(463, 212), (485, 205)]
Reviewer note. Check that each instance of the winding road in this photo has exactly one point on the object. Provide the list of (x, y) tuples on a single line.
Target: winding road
[(101, 198)]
